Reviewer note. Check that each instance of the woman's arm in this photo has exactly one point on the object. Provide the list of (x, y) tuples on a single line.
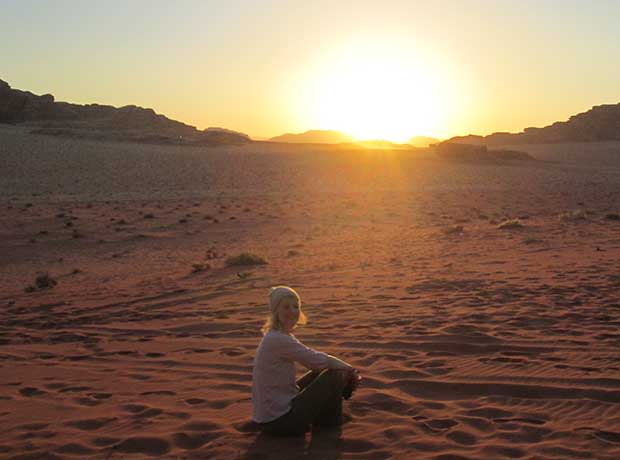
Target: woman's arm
[(336, 363), (294, 350)]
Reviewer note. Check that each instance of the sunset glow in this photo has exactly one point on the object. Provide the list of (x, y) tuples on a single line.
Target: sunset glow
[(377, 91), (390, 70)]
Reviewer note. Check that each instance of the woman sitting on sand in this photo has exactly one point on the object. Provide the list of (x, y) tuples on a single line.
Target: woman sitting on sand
[(282, 405)]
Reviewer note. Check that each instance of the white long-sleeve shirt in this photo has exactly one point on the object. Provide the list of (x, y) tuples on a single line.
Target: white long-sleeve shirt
[(273, 378)]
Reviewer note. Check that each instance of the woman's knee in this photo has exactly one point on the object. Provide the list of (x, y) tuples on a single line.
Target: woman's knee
[(336, 377)]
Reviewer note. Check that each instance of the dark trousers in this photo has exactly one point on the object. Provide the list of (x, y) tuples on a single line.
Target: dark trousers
[(319, 403)]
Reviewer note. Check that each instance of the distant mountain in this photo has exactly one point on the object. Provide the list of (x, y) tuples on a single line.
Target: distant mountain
[(380, 144), (422, 141), (600, 123), (314, 137), (104, 122)]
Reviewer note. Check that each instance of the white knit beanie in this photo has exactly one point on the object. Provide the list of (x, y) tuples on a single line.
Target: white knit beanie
[(277, 293)]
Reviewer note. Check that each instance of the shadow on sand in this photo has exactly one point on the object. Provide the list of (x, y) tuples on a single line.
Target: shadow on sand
[(324, 444)]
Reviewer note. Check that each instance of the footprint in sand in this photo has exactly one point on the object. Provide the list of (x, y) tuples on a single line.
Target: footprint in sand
[(194, 440), (481, 424), (90, 424), (134, 408), (158, 393), (151, 446), (489, 413), (462, 437), (55, 386), (75, 449), (149, 413), (155, 355), (104, 441), (139, 376), (76, 389), (87, 401), (100, 395), (441, 423), (37, 435), (32, 426), (31, 391), (609, 436)]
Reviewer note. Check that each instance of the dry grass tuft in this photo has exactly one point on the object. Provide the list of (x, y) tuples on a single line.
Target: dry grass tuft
[(198, 268), (454, 230), (245, 258), (569, 216), (510, 224), (42, 281)]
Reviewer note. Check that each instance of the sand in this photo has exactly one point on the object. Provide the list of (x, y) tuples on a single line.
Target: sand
[(474, 342)]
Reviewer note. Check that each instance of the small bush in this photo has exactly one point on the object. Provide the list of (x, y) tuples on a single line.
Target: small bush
[(245, 258), (44, 281), (573, 215), (197, 268), (510, 224), (454, 230)]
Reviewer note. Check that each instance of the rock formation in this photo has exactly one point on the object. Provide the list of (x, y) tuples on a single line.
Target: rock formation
[(104, 122), (314, 137), (600, 123), (478, 153)]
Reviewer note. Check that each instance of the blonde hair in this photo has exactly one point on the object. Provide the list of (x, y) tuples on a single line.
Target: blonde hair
[(276, 295)]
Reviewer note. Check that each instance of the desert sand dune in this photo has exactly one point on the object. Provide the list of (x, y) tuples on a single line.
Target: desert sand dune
[(475, 341)]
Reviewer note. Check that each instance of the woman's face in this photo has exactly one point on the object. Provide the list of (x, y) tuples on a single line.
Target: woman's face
[(288, 313)]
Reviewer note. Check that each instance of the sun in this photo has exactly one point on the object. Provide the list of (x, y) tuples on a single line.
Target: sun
[(377, 92)]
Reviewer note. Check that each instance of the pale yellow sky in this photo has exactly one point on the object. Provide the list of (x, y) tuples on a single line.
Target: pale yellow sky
[(390, 69)]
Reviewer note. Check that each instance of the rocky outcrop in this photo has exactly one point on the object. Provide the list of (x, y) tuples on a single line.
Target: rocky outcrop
[(478, 153), (104, 122), (600, 123), (17, 106)]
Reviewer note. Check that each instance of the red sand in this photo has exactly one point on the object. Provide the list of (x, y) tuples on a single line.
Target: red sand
[(474, 344)]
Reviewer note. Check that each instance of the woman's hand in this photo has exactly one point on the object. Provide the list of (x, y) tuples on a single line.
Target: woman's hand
[(354, 379)]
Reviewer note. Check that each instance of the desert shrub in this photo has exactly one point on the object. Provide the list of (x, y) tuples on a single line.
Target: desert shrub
[(197, 268), (44, 281), (245, 258), (573, 215), (454, 230), (510, 224)]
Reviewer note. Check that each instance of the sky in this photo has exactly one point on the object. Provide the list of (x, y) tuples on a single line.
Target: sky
[(388, 69)]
